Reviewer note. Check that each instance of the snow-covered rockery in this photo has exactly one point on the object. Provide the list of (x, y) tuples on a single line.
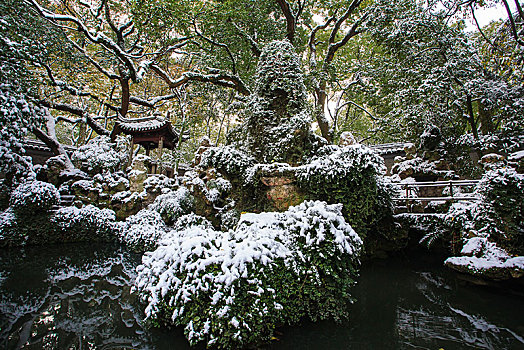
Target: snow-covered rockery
[(276, 124), (34, 197), (230, 289)]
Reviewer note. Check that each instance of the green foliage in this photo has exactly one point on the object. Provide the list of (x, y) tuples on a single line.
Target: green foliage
[(87, 224), (502, 208), (231, 289), (351, 176), (174, 204)]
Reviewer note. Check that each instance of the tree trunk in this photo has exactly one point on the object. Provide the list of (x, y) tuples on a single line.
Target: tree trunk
[(51, 141), (320, 114), (485, 119), (471, 117)]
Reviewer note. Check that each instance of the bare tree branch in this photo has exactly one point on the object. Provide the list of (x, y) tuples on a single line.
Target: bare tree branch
[(97, 127), (220, 79), (480, 30), (98, 38), (311, 42), (253, 44), (512, 24)]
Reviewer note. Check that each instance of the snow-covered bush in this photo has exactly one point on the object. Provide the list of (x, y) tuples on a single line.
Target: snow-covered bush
[(17, 115), (10, 233), (227, 159), (142, 231), (190, 220), (501, 211), (34, 197), (229, 219), (230, 289), (87, 224), (173, 204), (100, 155), (349, 175)]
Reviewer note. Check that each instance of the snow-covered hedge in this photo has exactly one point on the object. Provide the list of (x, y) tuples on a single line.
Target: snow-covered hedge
[(349, 175), (101, 155), (142, 231), (88, 224), (173, 204), (68, 224), (34, 197), (230, 289)]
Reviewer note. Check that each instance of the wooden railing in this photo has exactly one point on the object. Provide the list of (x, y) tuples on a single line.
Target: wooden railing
[(408, 191)]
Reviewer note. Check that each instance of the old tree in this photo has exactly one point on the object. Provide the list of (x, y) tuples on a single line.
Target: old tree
[(378, 69)]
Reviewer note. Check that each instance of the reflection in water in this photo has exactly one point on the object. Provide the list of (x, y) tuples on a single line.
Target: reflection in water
[(70, 297), (79, 297)]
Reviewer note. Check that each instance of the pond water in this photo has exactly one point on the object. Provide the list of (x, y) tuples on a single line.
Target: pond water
[(78, 297)]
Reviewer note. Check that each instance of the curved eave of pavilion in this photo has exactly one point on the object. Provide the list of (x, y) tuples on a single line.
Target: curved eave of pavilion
[(148, 126)]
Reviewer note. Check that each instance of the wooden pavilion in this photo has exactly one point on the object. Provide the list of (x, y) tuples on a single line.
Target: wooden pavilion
[(149, 132)]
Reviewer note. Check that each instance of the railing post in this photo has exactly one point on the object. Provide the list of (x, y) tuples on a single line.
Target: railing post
[(407, 197), (451, 188)]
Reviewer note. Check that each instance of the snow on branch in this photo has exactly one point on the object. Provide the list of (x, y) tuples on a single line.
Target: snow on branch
[(220, 79), (96, 38), (93, 124)]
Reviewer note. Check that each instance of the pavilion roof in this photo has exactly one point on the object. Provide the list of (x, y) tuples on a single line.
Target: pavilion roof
[(146, 124)]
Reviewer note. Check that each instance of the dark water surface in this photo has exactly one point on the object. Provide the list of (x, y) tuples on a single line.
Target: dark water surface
[(78, 297)]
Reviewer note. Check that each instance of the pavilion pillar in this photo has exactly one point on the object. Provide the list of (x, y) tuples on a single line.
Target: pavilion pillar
[(160, 149), (130, 158)]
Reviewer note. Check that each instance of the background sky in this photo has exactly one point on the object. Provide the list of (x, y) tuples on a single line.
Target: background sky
[(486, 15)]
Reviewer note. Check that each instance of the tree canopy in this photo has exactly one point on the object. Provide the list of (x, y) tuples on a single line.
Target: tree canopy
[(380, 69)]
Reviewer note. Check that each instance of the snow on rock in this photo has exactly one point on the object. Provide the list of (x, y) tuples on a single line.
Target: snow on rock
[(156, 183), (484, 258)]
